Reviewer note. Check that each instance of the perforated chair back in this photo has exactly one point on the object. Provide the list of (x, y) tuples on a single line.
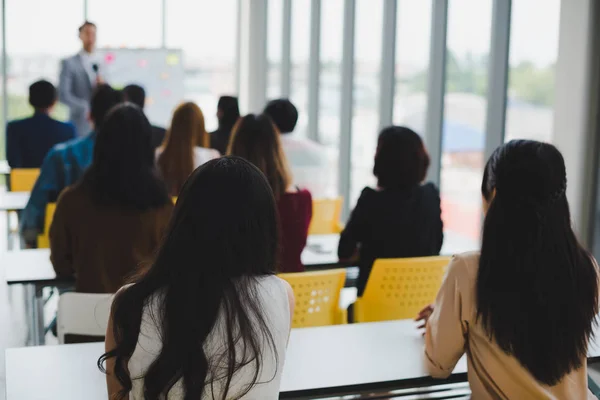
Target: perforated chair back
[(23, 179), (317, 297), (83, 314), (399, 288), (326, 216), (44, 237)]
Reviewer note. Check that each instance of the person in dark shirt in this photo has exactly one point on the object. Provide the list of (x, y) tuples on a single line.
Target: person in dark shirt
[(137, 95), (29, 140), (228, 113), (256, 139), (402, 217)]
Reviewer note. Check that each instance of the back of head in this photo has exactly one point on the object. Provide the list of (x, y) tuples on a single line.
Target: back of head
[(401, 160), (255, 138), (122, 173), (42, 95), (135, 94), (222, 237), (187, 131), (103, 99), (536, 286), (229, 111), (283, 113)]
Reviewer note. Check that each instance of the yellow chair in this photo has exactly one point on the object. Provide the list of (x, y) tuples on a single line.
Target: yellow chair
[(326, 216), (317, 297), (398, 288), (44, 238), (23, 179)]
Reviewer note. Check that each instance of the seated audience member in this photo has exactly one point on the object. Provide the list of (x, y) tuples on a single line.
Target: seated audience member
[(256, 139), (214, 327), (29, 140), (111, 222), (402, 217), (309, 161), (137, 95), (525, 306), (185, 148), (64, 165), (228, 112)]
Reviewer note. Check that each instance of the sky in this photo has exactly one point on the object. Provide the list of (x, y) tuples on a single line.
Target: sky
[(206, 29)]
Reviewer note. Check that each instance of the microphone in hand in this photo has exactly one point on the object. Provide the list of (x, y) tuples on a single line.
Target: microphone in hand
[(99, 79)]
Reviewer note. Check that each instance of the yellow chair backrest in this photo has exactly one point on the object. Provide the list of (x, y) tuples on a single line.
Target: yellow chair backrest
[(23, 179), (326, 216), (317, 297), (44, 238), (398, 288)]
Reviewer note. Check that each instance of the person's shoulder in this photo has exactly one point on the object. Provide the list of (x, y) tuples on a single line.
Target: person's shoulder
[(430, 188), (71, 195), (464, 265), (367, 194), (70, 59)]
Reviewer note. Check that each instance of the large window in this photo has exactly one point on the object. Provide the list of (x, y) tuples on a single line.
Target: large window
[(300, 55), (533, 52), (463, 138), (274, 42), (413, 42), (35, 45), (206, 31), (332, 12), (367, 64), (131, 23)]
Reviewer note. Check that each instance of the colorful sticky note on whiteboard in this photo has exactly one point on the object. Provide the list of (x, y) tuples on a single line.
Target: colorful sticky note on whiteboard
[(149, 101), (166, 92), (164, 76), (142, 63), (172, 59), (109, 58)]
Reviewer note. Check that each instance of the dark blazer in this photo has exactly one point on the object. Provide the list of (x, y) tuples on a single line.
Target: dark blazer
[(392, 223), (29, 140), (158, 135)]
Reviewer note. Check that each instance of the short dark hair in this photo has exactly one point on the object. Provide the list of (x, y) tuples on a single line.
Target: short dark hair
[(135, 94), (103, 99), (86, 23), (42, 94), (283, 113), (230, 109), (401, 159)]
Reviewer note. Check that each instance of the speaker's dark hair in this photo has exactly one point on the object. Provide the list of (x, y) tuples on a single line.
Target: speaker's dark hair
[(222, 237), (537, 288)]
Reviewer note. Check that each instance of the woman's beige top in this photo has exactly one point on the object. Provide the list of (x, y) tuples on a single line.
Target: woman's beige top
[(452, 330)]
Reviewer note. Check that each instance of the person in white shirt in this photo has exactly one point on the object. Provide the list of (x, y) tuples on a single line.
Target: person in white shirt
[(309, 161), (79, 75), (208, 319), (186, 147)]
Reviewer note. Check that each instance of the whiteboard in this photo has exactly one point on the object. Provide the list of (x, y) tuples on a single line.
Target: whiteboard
[(159, 71)]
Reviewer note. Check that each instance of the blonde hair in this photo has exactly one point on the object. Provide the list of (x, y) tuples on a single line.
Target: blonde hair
[(187, 130), (255, 138)]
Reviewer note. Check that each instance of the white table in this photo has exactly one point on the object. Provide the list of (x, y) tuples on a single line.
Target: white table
[(33, 269), (13, 201), (319, 360)]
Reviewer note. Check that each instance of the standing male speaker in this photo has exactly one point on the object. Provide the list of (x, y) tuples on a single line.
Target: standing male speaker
[(79, 75)]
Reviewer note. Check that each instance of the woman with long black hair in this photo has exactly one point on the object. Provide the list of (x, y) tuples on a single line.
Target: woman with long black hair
[(209, 319), (112, 221), (524, 308)]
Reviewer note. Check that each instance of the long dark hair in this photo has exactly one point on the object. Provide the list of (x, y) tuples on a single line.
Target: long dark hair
[(256, 139), (222, 236), (122, 173), (537, 288), (229, 112), (401, 160)]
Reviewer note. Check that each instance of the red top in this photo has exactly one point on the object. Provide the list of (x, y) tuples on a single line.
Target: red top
[(295, 213)]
